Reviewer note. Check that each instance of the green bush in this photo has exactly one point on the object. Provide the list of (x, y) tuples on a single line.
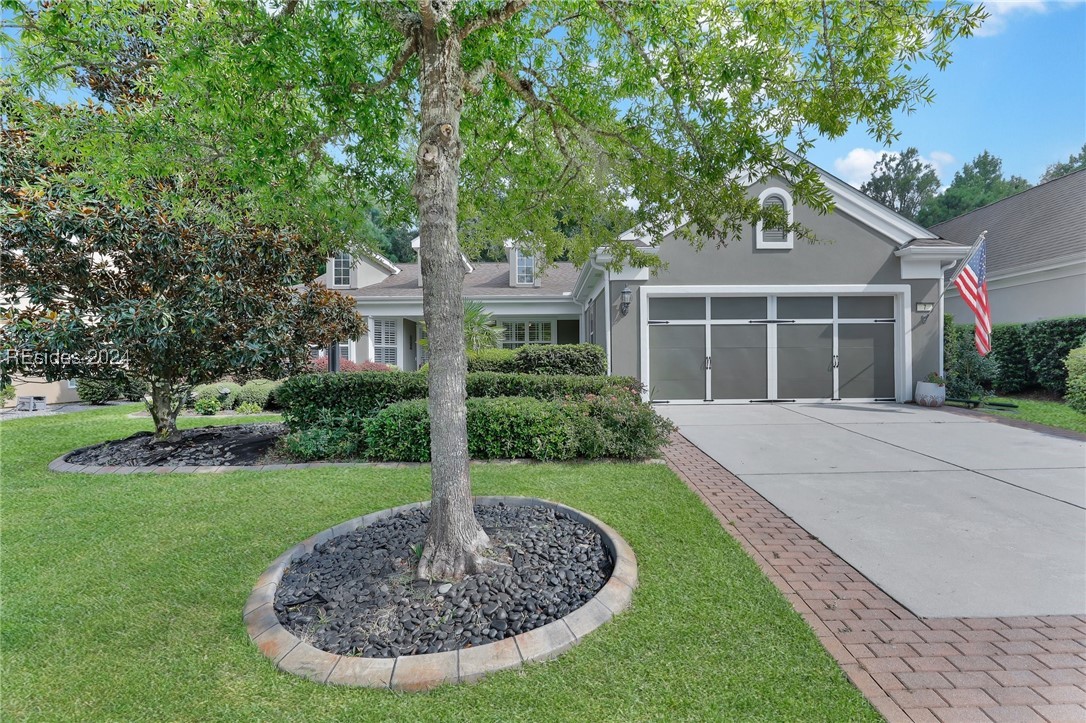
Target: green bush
[(7, 393), (619, 426), (492, 360), (257, 391), (362, 394), (226, 393), (1009, 350), (1048, 343), (1075, 363), (582, 359), (968, 375), (98, 391), (133, 388), (248, 408), (207, 406)]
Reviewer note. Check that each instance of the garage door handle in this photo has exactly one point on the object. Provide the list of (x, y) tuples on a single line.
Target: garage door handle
[(836, 361), (708, 362)]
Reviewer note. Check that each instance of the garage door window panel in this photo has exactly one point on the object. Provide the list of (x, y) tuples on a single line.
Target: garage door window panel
[(690, 308), (805, 307), (739, 307)]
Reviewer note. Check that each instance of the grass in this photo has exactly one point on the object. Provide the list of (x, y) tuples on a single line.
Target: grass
[(122, 598), (1040, 411)]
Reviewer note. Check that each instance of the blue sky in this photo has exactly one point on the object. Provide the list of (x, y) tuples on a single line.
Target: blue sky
[(1017, 89)]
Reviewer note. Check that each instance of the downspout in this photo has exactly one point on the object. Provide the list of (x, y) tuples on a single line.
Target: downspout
[(607, 304)]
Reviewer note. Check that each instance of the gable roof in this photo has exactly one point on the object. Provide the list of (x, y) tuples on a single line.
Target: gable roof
[(1041, 225), (486, 280)]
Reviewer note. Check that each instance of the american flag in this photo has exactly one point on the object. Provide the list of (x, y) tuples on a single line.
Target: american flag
[(972, 284)]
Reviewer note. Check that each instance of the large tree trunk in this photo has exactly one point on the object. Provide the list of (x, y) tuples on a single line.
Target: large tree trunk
[(455, 538), (164, 408)]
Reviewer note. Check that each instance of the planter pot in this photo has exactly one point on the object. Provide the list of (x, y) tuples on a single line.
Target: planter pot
[(929, 395)]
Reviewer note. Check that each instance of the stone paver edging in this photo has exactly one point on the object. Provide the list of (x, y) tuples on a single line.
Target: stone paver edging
[(911, 669), (423, 672)]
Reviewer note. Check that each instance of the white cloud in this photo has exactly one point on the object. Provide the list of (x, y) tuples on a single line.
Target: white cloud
[(1002, 12), (855, 167)]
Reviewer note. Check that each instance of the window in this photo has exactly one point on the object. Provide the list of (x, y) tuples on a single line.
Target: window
[(775, 238), (520, 333), (71, 384), (344, 348), (385, 335), (525, 268), (341, 270)]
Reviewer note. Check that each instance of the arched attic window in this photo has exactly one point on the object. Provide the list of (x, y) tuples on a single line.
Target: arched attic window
[(775, 238)]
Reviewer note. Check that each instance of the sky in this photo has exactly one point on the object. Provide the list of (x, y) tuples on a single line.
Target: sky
[(1017, 88)]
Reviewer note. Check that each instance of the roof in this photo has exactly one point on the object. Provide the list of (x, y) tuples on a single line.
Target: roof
[(486, 280), (1043, 224)]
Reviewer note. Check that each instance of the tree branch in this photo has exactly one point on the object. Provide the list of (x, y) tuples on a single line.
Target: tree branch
[(497, 16), (473, 81), (402, 20), (409, 48)]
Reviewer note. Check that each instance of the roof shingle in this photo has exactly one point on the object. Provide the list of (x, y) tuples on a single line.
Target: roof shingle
[(487, 280)]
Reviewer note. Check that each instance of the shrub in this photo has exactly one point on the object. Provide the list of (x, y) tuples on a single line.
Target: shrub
[(583, 359), (226, 393), (363, 394), (98, 391), (1048, 343), (249, 408), (322, 442), (1075, 363), (492, 360), (207, 406), (971, 374), (7, 393), (133, 388), (257, 391), (618, 426), (1009, 351)]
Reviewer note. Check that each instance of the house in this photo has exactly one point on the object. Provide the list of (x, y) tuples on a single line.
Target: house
[(1036, 247), (764, 318)]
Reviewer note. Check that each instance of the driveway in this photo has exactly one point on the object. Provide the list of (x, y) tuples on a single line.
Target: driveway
[(952, 515)]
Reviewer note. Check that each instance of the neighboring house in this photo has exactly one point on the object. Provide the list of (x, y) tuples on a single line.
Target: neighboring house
[(767, 317), (1036, 248), (63, 392)]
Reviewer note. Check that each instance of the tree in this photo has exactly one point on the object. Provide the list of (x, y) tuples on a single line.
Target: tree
[(94, 289), (1061, 168), (492, 119), (979, 183), (902, 182)]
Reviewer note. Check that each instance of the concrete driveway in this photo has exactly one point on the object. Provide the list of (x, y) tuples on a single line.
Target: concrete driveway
[(952, 515)]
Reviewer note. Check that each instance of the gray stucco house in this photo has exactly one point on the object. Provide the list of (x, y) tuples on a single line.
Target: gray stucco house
[(1036, 252), (854, 317)]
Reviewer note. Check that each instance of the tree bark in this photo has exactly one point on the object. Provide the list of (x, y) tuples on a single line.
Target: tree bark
[(164, 408), (454, 539)]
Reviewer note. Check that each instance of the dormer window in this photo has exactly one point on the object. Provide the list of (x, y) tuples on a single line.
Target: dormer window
[(525, 268), (767, 236), (341, 269)]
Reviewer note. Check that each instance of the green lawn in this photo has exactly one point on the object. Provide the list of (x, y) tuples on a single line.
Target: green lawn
[(122, 598), (1039, 411)]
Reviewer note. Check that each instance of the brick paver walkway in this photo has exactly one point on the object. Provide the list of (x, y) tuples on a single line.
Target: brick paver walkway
[(934, 669)]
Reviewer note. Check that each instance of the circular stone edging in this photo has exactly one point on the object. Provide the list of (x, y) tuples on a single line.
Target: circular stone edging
[(429, 670)]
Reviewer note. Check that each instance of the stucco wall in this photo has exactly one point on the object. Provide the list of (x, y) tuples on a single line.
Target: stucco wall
[(54, 392), (1042, 298), (845, 252)]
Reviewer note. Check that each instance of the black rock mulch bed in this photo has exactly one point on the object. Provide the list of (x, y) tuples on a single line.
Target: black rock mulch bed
[(355, 594), (239, 444)]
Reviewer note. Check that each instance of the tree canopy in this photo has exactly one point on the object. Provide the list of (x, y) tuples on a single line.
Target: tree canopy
[(979, 183), (1076, 162), (903, 182)]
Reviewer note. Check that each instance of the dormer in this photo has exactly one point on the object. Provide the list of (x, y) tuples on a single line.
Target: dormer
[(416, 244), (344, 271), (523, 267)]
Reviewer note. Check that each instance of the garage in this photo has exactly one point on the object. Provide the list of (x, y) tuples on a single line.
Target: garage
[(792, 346)]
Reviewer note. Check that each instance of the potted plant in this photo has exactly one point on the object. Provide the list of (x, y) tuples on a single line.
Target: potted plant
[(931, 392)]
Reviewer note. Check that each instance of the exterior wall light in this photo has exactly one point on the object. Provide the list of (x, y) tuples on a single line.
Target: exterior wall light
[(626, 296), (924, 307)]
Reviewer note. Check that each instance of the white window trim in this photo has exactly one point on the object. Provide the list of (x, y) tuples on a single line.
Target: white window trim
[(398, 345), (335, 262), (789, 239), (506, 322), (351, 345), (517, 256)]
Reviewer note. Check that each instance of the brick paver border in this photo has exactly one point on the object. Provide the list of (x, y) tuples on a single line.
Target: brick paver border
[(911, 669), (423, 672)]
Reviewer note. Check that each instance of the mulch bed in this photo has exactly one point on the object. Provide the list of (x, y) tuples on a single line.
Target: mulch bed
[(239, 444), (356, 594)]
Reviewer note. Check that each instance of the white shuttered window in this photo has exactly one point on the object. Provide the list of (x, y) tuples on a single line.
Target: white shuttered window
[(385, 341)]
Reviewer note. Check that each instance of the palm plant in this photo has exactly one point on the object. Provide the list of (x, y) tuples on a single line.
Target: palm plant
[(480, 329)]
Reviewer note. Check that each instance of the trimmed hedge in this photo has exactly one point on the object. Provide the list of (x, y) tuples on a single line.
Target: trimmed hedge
[(306, 397), (492, 360), (225, 392), (1009, 349), (98, 391), (522, 428), (1075, 364), (583, 359), (258, 392), (1048, 343)]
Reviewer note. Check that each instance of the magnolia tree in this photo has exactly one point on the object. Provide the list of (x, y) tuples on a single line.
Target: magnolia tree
[(92, 288), (494, 119)]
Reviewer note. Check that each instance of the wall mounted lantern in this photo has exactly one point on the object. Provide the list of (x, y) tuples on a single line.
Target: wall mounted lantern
[(626, 296)]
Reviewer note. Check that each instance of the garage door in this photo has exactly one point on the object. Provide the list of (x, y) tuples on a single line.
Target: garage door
[(771, 348)]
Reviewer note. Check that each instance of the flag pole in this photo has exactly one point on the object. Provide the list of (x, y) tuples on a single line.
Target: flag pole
[(961, 266)]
